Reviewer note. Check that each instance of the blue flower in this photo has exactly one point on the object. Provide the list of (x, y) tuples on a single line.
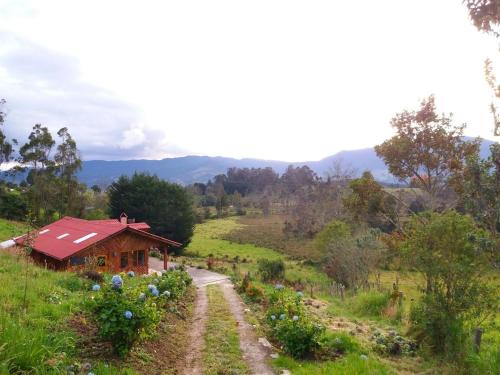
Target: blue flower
[(300, 294), (166, 293), (279, 286), (130, 273), (128, 314), (151, 287), (295, 318), (96, 288), (117, 281), (282, 317), (155, 292), (142, 296), (273, 317)]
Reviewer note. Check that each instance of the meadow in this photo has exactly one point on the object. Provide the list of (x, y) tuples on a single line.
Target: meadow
[(364, 310)]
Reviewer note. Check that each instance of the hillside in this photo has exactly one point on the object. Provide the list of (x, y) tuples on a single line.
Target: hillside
[(189, 169)]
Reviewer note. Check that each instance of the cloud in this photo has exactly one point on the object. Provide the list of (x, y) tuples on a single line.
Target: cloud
[(44, 86)]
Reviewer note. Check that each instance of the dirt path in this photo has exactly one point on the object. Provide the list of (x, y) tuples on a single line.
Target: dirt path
[(193, 355), (253, 352)]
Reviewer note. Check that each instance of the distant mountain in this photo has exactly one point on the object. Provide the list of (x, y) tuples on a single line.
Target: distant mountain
[(189, 169)]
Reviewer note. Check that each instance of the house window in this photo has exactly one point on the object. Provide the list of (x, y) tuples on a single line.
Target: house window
[(101, 261), (124, 260), (139, 258), (76, 261)]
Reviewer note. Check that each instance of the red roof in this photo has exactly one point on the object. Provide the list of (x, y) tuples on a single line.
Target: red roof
[(69, 236)]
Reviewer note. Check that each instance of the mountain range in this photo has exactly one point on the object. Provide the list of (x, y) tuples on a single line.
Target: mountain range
[(189, 169)]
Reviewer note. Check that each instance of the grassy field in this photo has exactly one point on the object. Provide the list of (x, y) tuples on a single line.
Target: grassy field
[(365, 310), (34, 335), (207, 241), (9, 229), (222, 354)]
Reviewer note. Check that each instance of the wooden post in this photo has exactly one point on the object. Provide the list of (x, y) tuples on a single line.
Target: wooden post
[(165, 259), (342, 292), (478, 333)]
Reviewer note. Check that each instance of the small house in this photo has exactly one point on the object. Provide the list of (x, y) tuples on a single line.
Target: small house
[(110, 245)]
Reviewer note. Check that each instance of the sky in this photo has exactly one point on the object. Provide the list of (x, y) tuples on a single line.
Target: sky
[(283, 80)]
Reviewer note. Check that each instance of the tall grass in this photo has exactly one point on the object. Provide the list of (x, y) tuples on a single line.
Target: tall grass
[(370, 304)]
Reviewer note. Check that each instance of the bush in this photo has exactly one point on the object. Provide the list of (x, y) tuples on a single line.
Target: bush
[(123, 317), (175, 282), (292, 326), (271, 270), (125, 314), (298, 335)]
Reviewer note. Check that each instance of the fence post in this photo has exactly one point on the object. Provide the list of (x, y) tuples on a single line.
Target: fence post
[(478, 333)]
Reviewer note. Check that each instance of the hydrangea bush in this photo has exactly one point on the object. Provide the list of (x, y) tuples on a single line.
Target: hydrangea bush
[(126, 313), (297, 332)]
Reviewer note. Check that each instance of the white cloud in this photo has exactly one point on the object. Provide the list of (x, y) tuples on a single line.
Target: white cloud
[(279, 79)]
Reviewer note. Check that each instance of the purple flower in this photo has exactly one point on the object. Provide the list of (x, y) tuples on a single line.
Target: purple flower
[(96, 288), (117, 281), (128, 314)]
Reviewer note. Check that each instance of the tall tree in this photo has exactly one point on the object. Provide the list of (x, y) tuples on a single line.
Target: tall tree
[(36, 152), (6, 147), (427, 148), (166, 207)]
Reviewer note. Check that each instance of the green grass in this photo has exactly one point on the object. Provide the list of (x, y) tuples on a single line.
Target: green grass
[(222, 353), (207, 240), (34, 336), (351, 364), (9, 229)]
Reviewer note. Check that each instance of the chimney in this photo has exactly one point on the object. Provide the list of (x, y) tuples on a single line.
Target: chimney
[(124, 218)]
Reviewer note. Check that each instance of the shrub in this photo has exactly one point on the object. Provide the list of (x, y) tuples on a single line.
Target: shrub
[(349, 260), (254, 293), (453, 255), (123, 317), (299, 336), (271, 270), (292, 326), (175, 282)]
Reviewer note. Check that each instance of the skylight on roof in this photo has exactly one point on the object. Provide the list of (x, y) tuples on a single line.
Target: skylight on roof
[(81, 239), (62, 236), (44, 231)]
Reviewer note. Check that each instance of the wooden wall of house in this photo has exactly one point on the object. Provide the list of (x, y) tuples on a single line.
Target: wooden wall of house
[(113, 248)]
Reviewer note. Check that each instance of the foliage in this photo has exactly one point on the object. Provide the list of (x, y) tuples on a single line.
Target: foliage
[(350, 260), (13, 205), (393, 344), (127, 313), (299, 337), (335, 230), (427, 148), (368, 202), (484, 14), (166, 207), (271, 270), (335, 343), (293, 327), (479, 189), (6, 149), (453, 255), (175, 282)]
